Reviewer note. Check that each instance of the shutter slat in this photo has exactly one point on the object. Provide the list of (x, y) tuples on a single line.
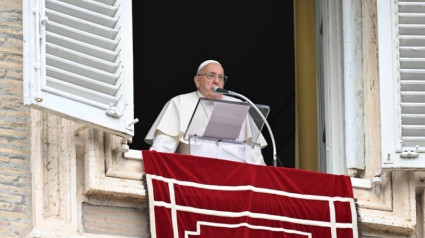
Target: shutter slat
[(107, 2), (412, 108), (79, 80), (412, 18), (413, 97), (412, 52), (102, 60), (414, 130), (81, 13), (411, 141), (412, 63), (83, 36), (411, 7), (411, 29), (82, 92), (412, 85), (412, 74), (413, 119), (410, 1), (81, 69), (75, 98), (79, 24), (412, 40), (94, 6)]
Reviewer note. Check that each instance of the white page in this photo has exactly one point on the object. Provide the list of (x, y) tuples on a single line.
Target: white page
[(226, 121)]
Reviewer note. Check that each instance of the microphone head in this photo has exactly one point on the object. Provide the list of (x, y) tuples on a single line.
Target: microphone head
[(221, 90)]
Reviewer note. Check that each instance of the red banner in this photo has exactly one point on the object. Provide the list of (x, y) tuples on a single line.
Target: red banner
[(193, 197)]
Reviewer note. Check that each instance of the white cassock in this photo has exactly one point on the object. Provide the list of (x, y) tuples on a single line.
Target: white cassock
[(166, 134)]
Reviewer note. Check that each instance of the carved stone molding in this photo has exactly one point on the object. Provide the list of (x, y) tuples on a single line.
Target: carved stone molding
[(96, 180), (394, 211), (128, 165), (68, 166)]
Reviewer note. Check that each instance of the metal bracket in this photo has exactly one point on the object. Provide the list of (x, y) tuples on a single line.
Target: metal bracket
[(124, 146), (115, 111), (388, 158), (377, 182), (44, 20), (409, 153), (132, 122)]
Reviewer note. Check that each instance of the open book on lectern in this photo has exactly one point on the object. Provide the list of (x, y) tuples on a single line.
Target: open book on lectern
[(226, 121)]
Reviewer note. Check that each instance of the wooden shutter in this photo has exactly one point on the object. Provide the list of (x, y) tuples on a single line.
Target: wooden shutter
[(412, 72), (401, 36), (79, 60)]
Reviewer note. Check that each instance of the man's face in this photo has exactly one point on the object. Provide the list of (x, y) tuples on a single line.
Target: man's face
[(205, 85)]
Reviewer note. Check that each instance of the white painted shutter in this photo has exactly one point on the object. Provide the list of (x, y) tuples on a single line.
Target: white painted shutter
[(78, 60), (403, 85), (412, 72)]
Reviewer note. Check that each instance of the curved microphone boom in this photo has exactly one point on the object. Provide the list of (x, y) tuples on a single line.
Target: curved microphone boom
[(225, 91)]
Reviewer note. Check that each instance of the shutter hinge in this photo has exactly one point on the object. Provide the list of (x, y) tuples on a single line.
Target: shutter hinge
[(40, 26), (409, 153)]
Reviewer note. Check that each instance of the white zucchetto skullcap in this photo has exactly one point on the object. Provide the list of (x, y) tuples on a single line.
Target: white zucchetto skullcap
[(205, 63)]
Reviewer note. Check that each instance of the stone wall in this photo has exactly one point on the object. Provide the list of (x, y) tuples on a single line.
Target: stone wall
[(15, 172), (114, 220)]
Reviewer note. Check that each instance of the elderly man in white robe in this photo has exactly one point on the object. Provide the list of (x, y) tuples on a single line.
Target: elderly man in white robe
[(167, 132)]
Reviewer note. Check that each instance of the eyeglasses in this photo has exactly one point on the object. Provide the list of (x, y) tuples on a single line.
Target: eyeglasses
[(212, 76)]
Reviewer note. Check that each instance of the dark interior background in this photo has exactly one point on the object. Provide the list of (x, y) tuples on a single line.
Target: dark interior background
[(253, 40)]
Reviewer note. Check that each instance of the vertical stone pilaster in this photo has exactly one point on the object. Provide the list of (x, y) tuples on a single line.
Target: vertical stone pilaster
[(53, 160)]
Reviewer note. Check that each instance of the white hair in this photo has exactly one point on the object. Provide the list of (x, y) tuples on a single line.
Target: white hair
[(203, 64)]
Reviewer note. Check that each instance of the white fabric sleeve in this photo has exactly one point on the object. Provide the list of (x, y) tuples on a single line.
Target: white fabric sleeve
[(256, 157), (164, 143)]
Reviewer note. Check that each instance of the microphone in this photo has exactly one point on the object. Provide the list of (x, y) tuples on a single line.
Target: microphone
[(225, 91), (221, 90)]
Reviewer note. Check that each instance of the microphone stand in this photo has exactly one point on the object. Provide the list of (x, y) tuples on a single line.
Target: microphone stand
[(219, 90)]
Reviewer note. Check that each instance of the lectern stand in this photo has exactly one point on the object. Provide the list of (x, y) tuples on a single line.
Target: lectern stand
[(224, 129)]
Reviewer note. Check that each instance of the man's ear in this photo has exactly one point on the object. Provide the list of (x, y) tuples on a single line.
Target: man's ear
[(196, 80)]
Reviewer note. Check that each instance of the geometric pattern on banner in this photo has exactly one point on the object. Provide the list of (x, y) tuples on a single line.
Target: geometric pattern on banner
[(195, 197)]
